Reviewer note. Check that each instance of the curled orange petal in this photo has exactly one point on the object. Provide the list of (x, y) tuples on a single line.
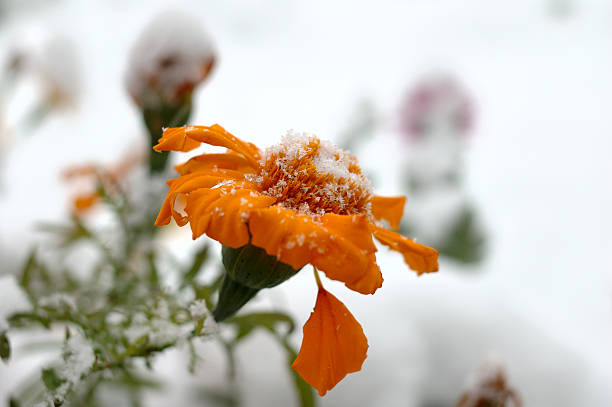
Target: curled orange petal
[(213, 161), (389, 208), (333, 346), (189, 137), (186, 184), (420, 258), (175, 139)]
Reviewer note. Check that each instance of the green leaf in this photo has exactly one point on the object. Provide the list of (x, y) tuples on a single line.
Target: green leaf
[(465, 241), (5, 347), (27, 270), (51, 380), (205, 292), (305, 392), (13, 402), (268, 320), (153, 274)]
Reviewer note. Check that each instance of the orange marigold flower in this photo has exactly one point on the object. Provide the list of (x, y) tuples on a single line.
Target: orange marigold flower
[(303, 201)]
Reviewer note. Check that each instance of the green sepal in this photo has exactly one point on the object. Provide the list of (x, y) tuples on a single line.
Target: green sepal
[(253, 267), (232, 297), (248, 269)]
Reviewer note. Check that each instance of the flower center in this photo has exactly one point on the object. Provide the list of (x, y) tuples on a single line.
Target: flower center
[(314, 177)]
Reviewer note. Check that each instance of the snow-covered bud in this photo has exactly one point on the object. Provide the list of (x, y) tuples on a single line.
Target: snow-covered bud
[(170, 59), (53, 61), (489, 387)]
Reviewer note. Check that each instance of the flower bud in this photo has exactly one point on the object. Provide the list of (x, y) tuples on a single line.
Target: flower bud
[(170, 59), (248, 269)]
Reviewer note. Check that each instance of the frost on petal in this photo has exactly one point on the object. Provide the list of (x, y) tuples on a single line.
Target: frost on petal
[(333, 346)]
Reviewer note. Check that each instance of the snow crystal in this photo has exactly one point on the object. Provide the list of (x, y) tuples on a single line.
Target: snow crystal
[(164, 332), (300, 239), (198, 309), (79, 358), (135, 332)]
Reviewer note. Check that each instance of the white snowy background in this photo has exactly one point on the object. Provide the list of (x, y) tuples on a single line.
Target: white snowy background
[(538, 169)]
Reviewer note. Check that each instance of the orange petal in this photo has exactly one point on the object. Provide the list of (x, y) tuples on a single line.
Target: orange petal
[(333, 346), (191, 182), (85, 202), (389, 208), (189, 137), (175, 139), (212, 161), (420, 258), (339, 245), (348, 231), (222, 213)]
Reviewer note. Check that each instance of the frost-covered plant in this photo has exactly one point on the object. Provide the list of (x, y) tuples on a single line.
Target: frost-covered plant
[(106, 280)]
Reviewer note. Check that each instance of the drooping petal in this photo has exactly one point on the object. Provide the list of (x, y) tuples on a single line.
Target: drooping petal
[(351, 230), (209, 162), (189, 137), (389, 208), (339, 245), (222, 213), (333, 346), (420, 258)]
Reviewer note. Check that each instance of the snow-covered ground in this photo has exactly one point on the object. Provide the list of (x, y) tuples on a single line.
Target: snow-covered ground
[(538, 169)]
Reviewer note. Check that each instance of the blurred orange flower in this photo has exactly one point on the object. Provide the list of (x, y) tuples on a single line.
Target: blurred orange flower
[(94, 174), (306, 202)]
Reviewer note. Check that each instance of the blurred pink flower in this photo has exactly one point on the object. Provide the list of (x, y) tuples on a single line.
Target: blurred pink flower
[(437, 102)]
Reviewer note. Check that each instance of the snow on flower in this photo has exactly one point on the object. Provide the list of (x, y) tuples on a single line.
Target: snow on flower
[(54, 61)]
